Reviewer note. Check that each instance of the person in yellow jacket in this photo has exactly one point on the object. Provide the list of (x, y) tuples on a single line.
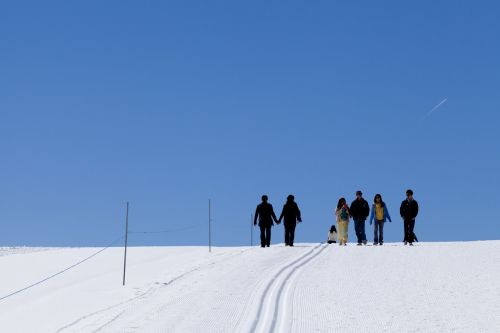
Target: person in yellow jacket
[(381, 214), (342, 214)]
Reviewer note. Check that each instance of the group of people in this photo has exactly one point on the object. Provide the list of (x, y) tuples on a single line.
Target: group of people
[(359, 210), (265, 214)]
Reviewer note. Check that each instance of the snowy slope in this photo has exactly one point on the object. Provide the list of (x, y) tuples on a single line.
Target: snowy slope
[(431, 287)]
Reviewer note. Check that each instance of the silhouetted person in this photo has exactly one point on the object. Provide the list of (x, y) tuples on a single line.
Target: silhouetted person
[(359, 212), (291, 214), (266, 215), (409, 211)]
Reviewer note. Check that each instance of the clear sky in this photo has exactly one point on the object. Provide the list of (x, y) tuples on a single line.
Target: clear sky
[(169, 103)]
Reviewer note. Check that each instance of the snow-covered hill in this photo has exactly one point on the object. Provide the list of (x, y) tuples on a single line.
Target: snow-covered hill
[(431, 287)]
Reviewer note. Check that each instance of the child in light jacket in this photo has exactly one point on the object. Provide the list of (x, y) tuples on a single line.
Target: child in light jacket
[(332, 235), (381, 214)]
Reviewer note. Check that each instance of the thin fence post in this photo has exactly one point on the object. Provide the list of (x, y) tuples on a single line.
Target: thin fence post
[(126, 240), (251, 230), (209, 226)]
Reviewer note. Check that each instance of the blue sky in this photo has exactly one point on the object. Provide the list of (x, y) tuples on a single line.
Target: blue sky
[(169, 103)]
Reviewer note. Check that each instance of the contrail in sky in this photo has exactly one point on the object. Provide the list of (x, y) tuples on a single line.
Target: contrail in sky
[(436, 107)]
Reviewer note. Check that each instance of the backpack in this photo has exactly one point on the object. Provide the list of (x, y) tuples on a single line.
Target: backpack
[(343, 214)]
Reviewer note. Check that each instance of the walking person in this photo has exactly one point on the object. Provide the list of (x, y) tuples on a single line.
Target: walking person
[(359, 212), (291, 215), (266, 215), (381, 214), (342, 215), (409, 211)]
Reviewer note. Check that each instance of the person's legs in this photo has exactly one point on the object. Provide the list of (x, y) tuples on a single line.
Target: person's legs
[(411, 226), (357, 229), (287, 235), (262, 235), (268, 235), (381, 232), (406, 230), (343, 227), (375, 238), (291, 238), (339, 233), (363, 231)]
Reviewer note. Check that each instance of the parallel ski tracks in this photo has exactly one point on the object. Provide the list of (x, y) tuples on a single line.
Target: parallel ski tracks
[(271, 314), (269, 307)]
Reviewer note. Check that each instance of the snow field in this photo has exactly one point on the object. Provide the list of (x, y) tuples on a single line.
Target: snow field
[(431, 287)]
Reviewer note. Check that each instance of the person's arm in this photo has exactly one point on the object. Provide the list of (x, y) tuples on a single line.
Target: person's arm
[(351, 208), (282, 214), (348, 211), (386, 212), (255, 216), (372, 214), (416, 209), (366, 209), (274, 216), (402, 210), (299, 217)]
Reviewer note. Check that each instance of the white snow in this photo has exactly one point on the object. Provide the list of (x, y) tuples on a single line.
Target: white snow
[(430, 287)]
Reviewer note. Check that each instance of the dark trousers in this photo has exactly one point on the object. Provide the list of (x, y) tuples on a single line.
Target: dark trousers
[(265, 235), (359, 227), (289, 233), (379, 232), (409, 226)]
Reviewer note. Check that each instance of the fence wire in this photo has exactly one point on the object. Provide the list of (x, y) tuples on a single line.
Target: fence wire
[(195, 226), (190, 227), (62, 271)]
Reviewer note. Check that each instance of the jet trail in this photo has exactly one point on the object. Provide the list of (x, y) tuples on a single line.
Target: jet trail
[(436, 107)]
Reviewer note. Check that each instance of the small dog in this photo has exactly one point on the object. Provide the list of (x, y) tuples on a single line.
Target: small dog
[(332, 235)]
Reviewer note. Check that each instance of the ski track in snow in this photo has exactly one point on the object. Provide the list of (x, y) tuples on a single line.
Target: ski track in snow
[(271, 298), (150, 317)]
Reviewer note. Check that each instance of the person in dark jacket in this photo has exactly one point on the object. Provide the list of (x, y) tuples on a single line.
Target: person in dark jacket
[(291, 214), (359, 211), (265, 214), (409, 211)]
